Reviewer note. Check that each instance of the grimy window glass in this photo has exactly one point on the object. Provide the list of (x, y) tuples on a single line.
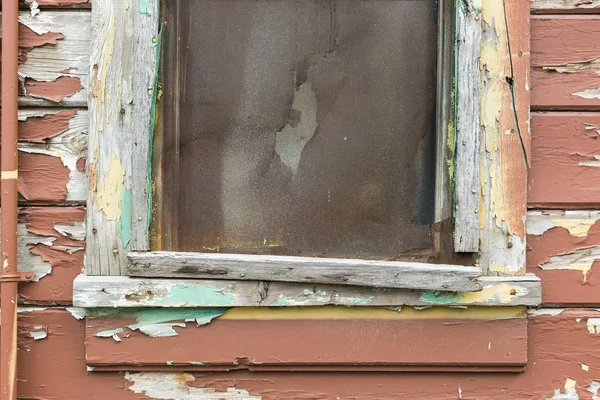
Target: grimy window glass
[(304, 127)]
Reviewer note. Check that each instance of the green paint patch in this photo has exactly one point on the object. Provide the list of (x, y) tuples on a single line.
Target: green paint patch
[(151, 316), (146, 7), (196, 295), (282, 301), (307, 292), (124, 227), (441, 298)]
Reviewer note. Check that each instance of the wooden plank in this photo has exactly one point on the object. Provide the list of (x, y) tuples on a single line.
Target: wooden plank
[(468, 122), (121, 291), (54, 58), (564, 251), (124, 53), (563, 6), (565, 62), (53, 146), (50, 245), (566, 160), (505, 141), (314, 339), (372, 273), (560, 343)]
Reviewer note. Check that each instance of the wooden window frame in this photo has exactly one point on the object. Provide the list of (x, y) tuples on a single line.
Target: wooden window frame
[(482, 155)]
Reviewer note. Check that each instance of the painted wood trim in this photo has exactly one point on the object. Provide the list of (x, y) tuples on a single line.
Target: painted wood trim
[(123, 80), (121, 291), (468, 105), (505, 138), (354, 272), (313, 339)]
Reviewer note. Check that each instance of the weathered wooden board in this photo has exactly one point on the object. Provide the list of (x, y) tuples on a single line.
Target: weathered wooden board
[(54, 58), (51, 244), (51, 4), (505, 140), (565, 62), (371, 273), (309, 339), (563, 360), (123, 89), (468, 123), (120, 291), (565, 6), (53, 147), (566, 160), (564, 251)]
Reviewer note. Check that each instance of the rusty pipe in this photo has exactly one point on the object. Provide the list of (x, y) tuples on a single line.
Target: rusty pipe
[(8, 177)]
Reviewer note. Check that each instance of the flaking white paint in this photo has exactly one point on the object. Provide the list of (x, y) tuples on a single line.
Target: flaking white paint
[(160, 385)]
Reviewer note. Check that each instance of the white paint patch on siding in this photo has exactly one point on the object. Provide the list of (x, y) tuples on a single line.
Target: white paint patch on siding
[(570, 392), (593, 389), (593, 325), (578, 223), (161, 385), (588, 94), (581, 260), (161, 330)]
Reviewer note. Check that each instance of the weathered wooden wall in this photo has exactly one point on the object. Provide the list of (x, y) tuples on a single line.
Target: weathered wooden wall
[(563, 236)]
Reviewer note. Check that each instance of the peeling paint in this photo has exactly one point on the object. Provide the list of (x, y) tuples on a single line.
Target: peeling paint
[(38, 333), (588, 94), (182, 295), (503, 293), (157, 385), (580, 260), (124, 227), (570, 391), (108, 192), (76, 312), (155, 322), (595, 163), (578, 223), (593, 325)]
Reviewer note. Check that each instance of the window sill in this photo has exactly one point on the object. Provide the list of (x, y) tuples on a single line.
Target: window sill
[(122, 291)]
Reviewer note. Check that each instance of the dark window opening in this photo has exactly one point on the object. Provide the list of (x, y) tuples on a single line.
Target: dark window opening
[(300, 127)]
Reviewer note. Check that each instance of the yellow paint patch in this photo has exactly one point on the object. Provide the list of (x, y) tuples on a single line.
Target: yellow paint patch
[(576, 227), (9, 174), (108, 193), (341, 313), (501, 292), (504, 270)]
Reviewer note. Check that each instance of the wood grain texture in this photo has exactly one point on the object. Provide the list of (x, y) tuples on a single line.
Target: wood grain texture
[(564, 251), (565, 6), (120, 291), (505, 141), (54, 72), (123, 75), (565, 62), (318, 340), (566, 160), (468, 123), (354, 272)]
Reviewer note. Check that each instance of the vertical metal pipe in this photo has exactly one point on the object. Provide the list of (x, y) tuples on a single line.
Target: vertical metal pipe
[(8, 286)]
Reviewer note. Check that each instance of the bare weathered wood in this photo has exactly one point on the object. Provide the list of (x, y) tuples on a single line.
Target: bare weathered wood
[(54, 60), (304, 269), (120, 291), (123, 77), (505, 138), (468, 122), (554, 6)]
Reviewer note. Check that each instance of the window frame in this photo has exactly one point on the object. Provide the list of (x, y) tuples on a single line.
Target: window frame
[(123, 96)]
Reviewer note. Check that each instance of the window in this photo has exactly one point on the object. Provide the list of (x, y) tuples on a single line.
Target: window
[(352, 130)]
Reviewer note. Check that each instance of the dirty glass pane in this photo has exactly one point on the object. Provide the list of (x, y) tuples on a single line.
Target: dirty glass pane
[(306, 127)]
